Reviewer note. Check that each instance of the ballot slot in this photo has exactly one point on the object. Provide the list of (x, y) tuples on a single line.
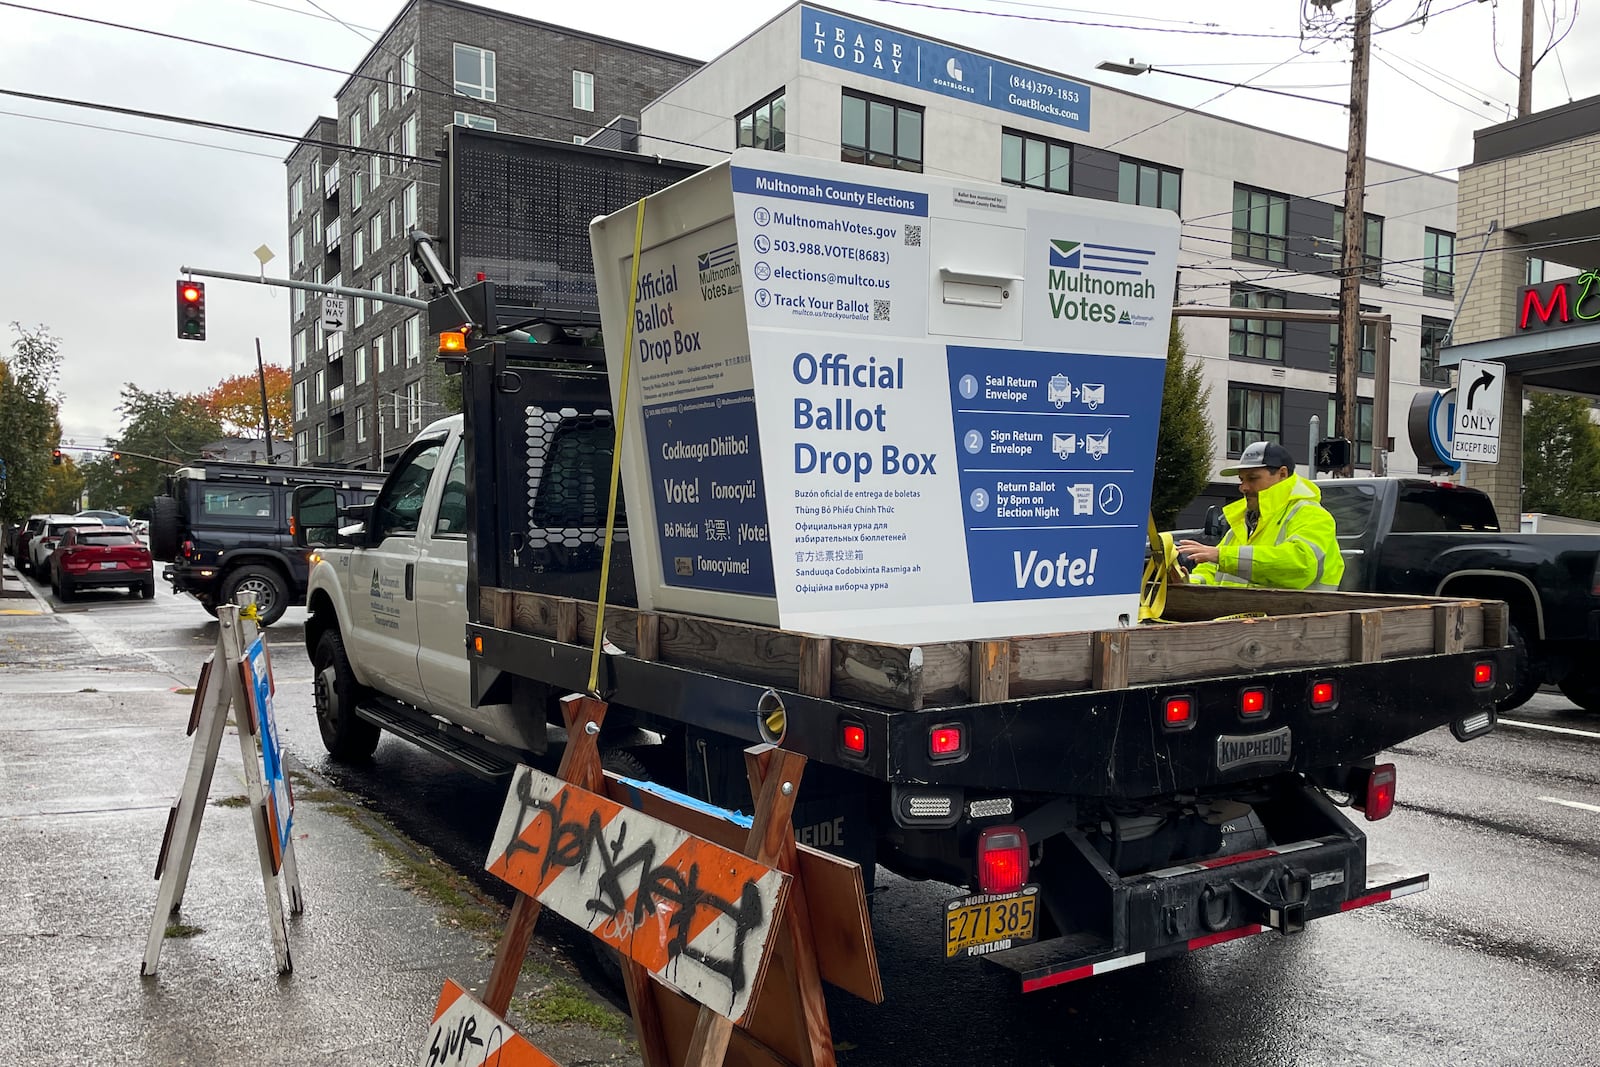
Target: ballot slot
[(976, 285)]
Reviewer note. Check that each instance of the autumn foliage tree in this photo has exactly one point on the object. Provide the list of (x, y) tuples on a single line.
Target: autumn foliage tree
[(236, 403)]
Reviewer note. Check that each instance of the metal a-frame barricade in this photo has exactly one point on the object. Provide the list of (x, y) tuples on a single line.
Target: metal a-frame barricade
[(725, 929), (237, 676)]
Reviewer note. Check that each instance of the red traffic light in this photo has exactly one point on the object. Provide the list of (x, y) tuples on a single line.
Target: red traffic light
[(190, 293), (191, 310)]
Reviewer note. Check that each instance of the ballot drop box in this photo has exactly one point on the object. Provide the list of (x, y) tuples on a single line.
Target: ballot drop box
[(895, 407)]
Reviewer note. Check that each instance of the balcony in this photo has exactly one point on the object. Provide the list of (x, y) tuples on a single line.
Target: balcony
[(335, 346), (330, 181), (336, 400), (331, 235)]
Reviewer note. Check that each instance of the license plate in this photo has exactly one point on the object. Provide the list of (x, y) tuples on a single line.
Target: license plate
[(979, 925), (108, 565)]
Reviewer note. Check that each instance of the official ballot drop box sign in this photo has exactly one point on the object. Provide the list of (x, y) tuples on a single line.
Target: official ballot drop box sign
[(888, 406)]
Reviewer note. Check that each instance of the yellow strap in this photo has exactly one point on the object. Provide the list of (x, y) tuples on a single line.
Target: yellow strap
[(1157, 569), (253, 613), (616, 457), (1236, 616)]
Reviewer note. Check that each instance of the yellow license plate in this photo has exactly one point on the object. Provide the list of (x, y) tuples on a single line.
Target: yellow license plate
[(979, 925)]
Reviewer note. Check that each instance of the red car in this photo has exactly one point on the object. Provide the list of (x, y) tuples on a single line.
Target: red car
[(101, 556)]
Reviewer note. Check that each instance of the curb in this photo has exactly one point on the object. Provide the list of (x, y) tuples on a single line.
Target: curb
[(11, 581)]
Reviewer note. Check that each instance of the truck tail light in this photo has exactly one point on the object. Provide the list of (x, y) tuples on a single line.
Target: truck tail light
[(187, 548), (1379, 800), (947, 742), (1324, 695), (1253, 703), (853, 738), (1179, 713), (1482, 675), (1002, 859)]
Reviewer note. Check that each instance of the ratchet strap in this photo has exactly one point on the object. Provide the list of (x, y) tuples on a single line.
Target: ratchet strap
[(1158, 565), (616, 460)]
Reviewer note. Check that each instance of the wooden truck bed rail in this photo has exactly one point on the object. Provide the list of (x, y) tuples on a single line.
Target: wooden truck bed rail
[(1301, 629)]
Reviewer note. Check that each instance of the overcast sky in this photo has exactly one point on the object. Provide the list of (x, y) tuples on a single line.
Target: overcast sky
[(98, 222)]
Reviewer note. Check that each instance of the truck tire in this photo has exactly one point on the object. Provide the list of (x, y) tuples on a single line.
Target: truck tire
[(345, 735), (1525, 676), (164, 528), (272, 593), (1582, 687)]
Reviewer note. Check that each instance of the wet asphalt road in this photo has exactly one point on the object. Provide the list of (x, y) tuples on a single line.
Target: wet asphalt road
[(1499, 963)]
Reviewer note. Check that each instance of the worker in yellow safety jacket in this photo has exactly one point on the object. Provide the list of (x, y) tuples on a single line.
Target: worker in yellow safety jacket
[(1279, 534)]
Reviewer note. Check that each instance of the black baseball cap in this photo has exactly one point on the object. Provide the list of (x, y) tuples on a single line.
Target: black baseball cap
[(1262, 454)]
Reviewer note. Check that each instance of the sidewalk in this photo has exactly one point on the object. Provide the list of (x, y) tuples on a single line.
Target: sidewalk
[(92, 753)]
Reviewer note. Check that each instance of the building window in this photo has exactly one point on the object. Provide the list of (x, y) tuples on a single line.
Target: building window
[(356, 181), (301, 444), (361, 365), (360, 308), (476, 122), (414, 403), (1371, 245), (1434, 331), (1535, 272), (1367, 357), (413, 279), (299, 302), (1363, 440), (297, 198), (361, 423), (475, 72), (413, 339), (1253, 415), (297, 249), (392, 90), (1260, 224), (375, 170), (1035, 162), (762, 126), (408, 207), (1149, 184), (300, 399), (321, 390), (1256, 338), (1438, 262), (408, 69), (358, 252), (394, 150), (582, 90), (377, 354), (374, 107), (880, 133), (322, 439), (299, 349), (335, 345), (397, 355), (377, 231), (355, 129), (408, 140)]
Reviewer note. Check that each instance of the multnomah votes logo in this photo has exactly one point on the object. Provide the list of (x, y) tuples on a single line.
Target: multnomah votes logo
[(1080, 270), (719, 272)]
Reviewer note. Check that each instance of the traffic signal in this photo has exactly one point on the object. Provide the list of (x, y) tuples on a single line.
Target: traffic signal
[(191, 311), (116, 457), (1333, 453), (55, 456)]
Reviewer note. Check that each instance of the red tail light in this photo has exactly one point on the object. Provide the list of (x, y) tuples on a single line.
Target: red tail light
[(1002, 859), (1324, 695), (1253, 703), (947, 742), (1380, 792), (1179, 713), (1482, 675), (187, 549), (854, 739)]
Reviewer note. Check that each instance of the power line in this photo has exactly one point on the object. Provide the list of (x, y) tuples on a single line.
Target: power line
[(1096, 25), (1195, 107), (1431, 92), (137, 133)]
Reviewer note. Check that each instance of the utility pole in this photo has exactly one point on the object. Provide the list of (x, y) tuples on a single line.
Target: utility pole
[(1525, 63), (1355, 228), (266, 419)]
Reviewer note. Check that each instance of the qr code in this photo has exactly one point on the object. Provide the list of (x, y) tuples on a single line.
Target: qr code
[(914, 235), (880, 311)]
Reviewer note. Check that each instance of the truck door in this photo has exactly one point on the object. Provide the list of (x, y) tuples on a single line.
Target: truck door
[(442, 588), (383, 599)]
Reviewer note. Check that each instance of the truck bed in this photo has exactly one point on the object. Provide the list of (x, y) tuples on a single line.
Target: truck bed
[(1075, 713)]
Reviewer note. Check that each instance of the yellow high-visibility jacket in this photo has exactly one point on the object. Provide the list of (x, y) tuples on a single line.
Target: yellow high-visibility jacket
[(1294, 546)]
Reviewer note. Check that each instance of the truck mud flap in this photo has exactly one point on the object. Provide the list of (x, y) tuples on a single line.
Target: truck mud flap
[(1178, 910)]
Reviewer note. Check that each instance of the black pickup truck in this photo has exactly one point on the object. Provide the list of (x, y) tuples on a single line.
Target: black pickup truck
[(225, 528), (1411, 535)]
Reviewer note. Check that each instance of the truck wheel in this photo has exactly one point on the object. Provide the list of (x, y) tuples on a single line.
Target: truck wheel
[(1582, 687), (211, 609), (164, 528), (1525, 677), (272, 596), (345, 735)]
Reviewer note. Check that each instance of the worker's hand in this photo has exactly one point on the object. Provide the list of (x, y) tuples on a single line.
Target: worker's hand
[(1197, 552)]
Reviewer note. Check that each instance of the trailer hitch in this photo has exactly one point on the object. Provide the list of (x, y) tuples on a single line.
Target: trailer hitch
[(1279, 903)]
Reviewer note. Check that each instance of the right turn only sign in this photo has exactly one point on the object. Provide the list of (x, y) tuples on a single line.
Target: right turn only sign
[(1479, 390)]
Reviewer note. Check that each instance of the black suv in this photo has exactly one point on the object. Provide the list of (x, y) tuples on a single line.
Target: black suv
[(225, 528)]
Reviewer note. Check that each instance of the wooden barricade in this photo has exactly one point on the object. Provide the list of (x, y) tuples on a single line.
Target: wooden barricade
[(723, 948), (238, 675)]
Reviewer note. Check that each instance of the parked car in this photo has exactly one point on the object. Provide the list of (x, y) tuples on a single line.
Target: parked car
[(94, 557), (108, 518), (25, 536)]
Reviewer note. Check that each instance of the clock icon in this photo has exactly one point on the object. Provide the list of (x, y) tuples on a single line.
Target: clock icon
[(1110, 499)]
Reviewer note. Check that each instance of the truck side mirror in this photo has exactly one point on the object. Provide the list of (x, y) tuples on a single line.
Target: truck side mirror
[(1214, 525), (314, 515)]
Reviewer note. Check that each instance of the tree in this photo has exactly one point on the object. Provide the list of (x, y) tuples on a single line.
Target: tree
[(1560, 457), (63, 487), (29, 429), (236, 403), (1183, 442), (160, 424)]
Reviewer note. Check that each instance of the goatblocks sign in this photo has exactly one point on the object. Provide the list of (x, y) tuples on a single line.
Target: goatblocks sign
[(908, 409)]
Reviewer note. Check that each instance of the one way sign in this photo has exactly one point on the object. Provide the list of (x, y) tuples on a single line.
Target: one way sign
[(333, 313), (1479, 391)]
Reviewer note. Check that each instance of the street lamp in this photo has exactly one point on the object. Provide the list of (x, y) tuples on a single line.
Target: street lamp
[(1130, 67)]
